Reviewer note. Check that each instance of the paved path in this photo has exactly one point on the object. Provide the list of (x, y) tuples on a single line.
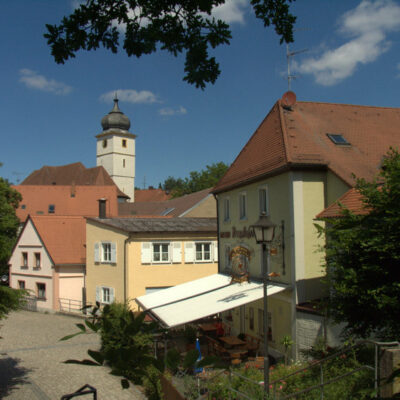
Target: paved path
[(31, 360)]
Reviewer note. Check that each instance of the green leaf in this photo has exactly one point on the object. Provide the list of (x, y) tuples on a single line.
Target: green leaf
[(71, 336)]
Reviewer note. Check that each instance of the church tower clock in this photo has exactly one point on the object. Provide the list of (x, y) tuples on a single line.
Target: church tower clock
[(116, 150)]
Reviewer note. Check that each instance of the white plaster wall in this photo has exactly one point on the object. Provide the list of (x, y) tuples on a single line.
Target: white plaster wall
[(29, 242)]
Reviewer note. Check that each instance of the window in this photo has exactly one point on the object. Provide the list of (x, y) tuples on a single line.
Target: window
[(104, 294), (123, 163), (263, 200), (242, 206), (227, 214), (124, 143), (160, 252), (251, 318), (21, 284), (228, 265), (25, 259), (105, 143), (338, 139), (203, 251), (52, 208), (37, 260), (105, 252), (41, 291), (23, 206)]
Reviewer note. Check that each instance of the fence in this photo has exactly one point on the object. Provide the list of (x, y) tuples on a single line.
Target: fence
[(72, 306)]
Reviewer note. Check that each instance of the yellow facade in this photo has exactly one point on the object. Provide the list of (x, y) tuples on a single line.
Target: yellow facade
[(294, 199), (139, 276)]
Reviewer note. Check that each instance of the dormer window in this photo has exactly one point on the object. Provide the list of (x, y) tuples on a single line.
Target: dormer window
[(338, 139)]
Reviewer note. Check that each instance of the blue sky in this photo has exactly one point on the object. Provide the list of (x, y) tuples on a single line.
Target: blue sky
[(51, 113)]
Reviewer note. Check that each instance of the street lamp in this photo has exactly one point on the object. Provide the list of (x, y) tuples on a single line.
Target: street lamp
[(264, 230)]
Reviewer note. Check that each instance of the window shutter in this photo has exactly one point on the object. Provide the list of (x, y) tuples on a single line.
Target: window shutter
[(189, 252), (113, 252), (112, 298), (227, 257), (176, 252), (215, 251), (97, 252), (146, 253), (98, 294)]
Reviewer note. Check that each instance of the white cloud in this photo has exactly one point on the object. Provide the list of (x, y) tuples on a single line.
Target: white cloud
[(171, 111), (367, 26), (231, 11), (131, 96), (33, 80)]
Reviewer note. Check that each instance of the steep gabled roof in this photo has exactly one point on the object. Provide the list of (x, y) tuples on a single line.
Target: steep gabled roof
[(173, 207), (67, 200), (63, 236), (71, 174), (351, 200), (297, 137), (146, 195)]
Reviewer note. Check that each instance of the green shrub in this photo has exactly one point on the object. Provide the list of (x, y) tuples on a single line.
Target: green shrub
[(173, 359)]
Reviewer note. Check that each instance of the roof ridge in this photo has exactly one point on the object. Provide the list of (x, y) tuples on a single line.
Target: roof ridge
[(288, 156), (347, 105)]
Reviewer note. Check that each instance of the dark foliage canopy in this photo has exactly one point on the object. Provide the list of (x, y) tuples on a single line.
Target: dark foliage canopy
[(198, 180), (151, 25), (363, 258)]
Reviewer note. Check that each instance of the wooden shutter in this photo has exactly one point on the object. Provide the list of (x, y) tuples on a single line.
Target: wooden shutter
[(97, 252), (146, 252), (189, 252), (112, 297), (98, 294), (113, 252), (176, 252), (215, 252)]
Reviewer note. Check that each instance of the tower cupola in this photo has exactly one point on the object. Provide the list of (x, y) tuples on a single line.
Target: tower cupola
[(115, 119)]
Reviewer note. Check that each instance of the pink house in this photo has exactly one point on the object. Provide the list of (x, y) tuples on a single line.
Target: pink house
[(49, 261)]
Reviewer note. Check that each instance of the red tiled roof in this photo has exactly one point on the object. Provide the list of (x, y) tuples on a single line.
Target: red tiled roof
[(297, 137), (146, 195), (173, 207), (64, 237), (352, 200), (67, 200), (71, 174)]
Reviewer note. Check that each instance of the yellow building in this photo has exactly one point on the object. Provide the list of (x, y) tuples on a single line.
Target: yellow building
[(131, 257), (300, 160)]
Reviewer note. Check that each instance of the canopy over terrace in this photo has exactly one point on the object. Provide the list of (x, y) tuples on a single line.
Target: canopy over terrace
[(201, 298)]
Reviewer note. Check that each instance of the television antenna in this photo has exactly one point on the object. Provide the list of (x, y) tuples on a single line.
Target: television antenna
[(289, 55)]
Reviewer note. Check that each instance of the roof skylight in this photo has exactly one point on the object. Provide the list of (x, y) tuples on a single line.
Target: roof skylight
[(338, 138)]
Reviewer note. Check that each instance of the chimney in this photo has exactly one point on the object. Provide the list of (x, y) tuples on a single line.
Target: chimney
[(102, 208)]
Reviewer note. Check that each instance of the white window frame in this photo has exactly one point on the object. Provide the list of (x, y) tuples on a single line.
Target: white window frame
[(105, 249), (227, 209), (202, 252), (161, 261), (105, 252), (25, 259), (38, 260), (38, 291), (104, 298), (263, 204), (242, 205)]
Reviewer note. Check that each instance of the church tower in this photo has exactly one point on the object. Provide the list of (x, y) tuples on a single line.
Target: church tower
[(116, 150)]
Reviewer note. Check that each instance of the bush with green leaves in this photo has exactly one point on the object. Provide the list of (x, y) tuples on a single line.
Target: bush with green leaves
[(126, 343)]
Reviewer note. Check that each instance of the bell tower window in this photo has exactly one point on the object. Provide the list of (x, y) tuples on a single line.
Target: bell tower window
[(123, 142), (105, 143)]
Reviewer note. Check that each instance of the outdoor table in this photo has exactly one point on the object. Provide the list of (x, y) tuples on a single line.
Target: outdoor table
[(232, 341), (208, 327)]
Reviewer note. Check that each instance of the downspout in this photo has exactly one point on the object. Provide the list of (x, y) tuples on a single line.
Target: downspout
[(218, 241), (126, 267)]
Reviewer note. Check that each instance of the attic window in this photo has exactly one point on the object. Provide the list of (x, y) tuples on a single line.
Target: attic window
[(338, 139), (167, 211), (23, 206), (52, 208)]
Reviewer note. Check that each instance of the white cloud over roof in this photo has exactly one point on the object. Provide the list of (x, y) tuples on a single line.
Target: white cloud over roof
[(367, 27), (168, 111)]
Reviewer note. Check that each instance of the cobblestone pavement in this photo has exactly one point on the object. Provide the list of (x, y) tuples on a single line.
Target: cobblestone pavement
[(31, 360)]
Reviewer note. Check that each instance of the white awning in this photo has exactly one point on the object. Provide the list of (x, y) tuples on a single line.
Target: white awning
[(198, 299)]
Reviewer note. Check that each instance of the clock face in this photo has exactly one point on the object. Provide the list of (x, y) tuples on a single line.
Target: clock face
[(240, 258)]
